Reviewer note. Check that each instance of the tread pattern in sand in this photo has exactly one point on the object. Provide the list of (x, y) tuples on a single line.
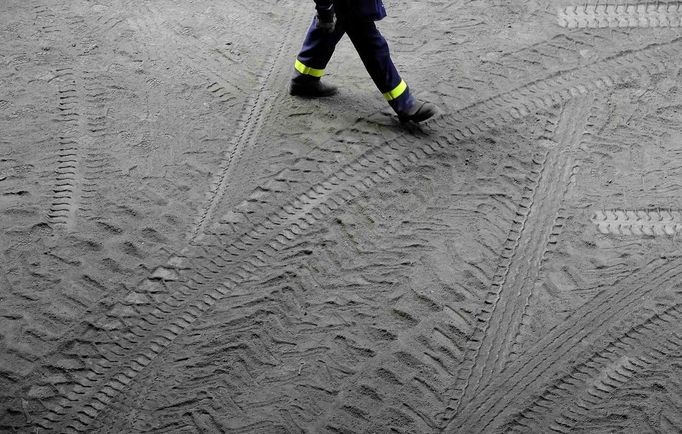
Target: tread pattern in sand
[(568, 399), (80, 159), (621, 15), (63, 208), (550, 354), (315, 292), (113, 230), (287, 319), (273, 76), (527, 243), (638, 223), (155, 328)]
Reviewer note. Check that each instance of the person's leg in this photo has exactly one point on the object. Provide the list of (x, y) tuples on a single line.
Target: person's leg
[(374, 52), (312, 60)]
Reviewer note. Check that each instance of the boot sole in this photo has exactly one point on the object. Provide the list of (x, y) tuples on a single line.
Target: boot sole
[(417, 117), (425, 111), (306, 94)]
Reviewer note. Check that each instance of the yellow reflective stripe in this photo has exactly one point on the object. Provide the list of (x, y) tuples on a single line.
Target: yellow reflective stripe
[(300, 67), (395, 93)]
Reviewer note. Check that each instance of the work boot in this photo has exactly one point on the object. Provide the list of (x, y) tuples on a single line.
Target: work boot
[(419, 112), (311, 88)]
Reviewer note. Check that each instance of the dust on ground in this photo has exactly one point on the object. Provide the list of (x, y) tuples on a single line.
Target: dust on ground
[(186, 248)]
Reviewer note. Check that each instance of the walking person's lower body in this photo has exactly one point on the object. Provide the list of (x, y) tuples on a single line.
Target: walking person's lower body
[(318, 47)]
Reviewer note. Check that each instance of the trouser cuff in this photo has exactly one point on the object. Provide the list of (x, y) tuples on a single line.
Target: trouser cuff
[(304, 69), (403, 103)]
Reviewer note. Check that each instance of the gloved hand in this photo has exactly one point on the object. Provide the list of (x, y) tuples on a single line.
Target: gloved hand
[(326, 20)]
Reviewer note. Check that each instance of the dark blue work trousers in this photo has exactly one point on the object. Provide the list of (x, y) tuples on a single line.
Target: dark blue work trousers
[(319, 46)]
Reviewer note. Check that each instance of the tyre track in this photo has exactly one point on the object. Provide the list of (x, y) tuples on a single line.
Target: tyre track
[(43, 303), (476, 117), (68, 177), (152, 332), (69, 286), (79, 159), (266, 337), (66, 186), (571, 52), (244, 269), (98, 165), (527, 243), (272, 77), (648, 402), (639, 223), (254, 113), (595, 120), (256, 343), (47, 29), (648, 15), (425, 357), (554, 90), (81, 162), (566, 401), (550, 355)]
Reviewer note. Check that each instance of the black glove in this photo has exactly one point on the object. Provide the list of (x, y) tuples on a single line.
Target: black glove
[(326, 20)]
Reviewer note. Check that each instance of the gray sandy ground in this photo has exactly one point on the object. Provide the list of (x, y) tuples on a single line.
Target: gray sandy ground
[(186, 248)]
